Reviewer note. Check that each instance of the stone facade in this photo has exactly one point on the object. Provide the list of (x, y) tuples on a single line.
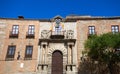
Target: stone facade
[(68, 39)]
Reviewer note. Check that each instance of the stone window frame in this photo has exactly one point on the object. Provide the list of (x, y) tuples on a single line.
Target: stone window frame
[(15, 29), (28, 52), (31, 29), (114, 28), (91, 30), (10, 52)]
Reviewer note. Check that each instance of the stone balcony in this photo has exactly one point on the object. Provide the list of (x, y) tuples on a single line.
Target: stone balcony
[(59, 36), (30, 34), (47, 34), (13, 34)]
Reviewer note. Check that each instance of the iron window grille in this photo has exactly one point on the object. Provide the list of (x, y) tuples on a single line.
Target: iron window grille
[(28, 52), (10, 52), (115, 28)]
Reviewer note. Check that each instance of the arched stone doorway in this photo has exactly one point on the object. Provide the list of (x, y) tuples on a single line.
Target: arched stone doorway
[(57, 62)]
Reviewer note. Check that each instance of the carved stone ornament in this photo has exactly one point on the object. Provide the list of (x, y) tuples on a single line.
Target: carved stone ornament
[(45, 34), (70, 34)]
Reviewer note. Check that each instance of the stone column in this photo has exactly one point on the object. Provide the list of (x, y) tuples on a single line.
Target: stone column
[(44, 52), (69, 54), (71, 66), (41, 55), (40, 58), (73, 55)]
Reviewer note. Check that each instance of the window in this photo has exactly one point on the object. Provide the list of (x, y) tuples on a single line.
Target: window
[(10, 52), (31, 29), (57, 30), (30, 33), (115, 28), (28, 52), (58, 26), (15, 29), (91, 30)]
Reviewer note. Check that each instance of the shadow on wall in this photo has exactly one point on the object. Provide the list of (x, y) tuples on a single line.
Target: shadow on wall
[(94, 67)]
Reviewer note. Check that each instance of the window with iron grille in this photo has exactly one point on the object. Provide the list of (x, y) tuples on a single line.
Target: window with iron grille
[(15, 29), (91, 30), (31, 29), (28, 52), (58, 27), (10, 52), (57, 31), (115, 28)]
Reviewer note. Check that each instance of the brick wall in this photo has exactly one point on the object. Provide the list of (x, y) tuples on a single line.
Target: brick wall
[(20, 65), (101, 26)]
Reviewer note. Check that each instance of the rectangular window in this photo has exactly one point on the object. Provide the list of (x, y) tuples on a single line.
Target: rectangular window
[(115, 28), (91, 30), (10, 52), (57, 31), (15, 29), (31, 29), (28, 52)]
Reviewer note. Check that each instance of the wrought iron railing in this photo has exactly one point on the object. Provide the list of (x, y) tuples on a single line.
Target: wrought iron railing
[(30, 34), (57, 32), (13, 34)]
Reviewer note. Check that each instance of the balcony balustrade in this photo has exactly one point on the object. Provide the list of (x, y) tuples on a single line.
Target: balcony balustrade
[(13, 34), (30, 34), (47, 34), (57, 35)]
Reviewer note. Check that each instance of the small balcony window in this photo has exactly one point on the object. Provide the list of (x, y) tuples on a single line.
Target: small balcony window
[(115, 29), (31, 32), (15, 32), (91, 31)]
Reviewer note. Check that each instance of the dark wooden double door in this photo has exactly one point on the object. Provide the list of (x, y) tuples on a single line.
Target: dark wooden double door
[(57, 63)]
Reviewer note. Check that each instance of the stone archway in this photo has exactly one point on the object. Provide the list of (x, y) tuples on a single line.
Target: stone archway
[(57, 62), (51, 51)]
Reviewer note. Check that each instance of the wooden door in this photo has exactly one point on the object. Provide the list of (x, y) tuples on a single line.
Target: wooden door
[(57, 63)]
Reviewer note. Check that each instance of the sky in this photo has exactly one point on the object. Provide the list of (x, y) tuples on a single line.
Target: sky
[(50, 8)]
